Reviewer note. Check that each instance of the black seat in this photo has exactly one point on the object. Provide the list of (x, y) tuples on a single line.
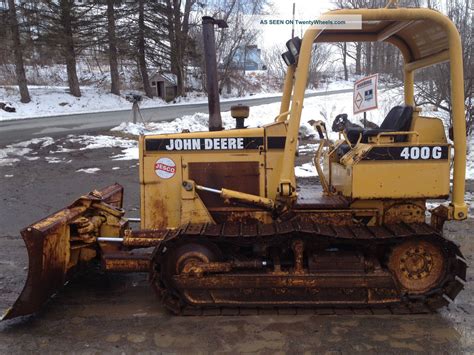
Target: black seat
[(397, 120)]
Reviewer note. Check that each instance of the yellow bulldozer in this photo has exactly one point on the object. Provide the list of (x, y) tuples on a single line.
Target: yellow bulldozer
[(226, 228)]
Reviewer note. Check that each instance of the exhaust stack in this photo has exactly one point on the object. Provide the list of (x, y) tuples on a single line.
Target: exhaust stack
[(215, 120)]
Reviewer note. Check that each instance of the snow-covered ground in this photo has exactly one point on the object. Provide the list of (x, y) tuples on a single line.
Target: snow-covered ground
[(51, 101), (55, 100), (324, 108)]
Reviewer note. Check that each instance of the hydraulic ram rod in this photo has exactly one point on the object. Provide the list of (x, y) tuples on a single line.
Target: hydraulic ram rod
[(110, 239), (241, 196)]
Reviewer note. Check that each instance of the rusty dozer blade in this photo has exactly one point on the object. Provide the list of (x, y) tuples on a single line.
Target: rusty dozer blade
[(55, 252)]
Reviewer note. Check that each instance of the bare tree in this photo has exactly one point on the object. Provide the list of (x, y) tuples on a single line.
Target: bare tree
[(344, 60), (69, 51), (178, 27), (18, 53), (232, 42), (276, 67), (141, 49), (112, 42), (319, 57), (431, 84)]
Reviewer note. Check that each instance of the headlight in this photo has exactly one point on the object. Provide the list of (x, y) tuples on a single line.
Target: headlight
[(294, 46), (288, 58)]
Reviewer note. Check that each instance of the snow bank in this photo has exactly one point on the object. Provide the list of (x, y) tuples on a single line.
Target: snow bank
[(324, 108), (51, 101)]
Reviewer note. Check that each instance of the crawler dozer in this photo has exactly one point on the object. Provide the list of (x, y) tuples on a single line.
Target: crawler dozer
[(225, 228)]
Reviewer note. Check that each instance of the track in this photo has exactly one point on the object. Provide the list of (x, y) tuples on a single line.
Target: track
[(354, 236)]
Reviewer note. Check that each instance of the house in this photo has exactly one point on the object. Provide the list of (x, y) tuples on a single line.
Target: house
[(248, 58), (164, 85)]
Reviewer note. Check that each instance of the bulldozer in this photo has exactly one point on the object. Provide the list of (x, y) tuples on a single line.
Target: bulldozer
[(225, 228)]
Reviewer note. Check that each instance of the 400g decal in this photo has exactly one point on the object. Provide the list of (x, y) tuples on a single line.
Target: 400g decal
[(438, 152)]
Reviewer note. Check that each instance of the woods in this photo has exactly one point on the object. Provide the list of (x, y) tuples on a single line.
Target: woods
[(130, 40)]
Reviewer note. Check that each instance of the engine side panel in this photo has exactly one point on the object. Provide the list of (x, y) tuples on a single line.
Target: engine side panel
[(232, 159)]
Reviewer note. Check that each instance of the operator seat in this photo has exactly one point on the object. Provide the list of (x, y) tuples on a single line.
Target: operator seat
[(397, 120)]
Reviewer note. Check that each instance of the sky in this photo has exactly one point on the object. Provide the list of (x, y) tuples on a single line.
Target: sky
[(304, 9)]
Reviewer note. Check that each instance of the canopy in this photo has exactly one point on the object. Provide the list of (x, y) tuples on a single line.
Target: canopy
[(419, 35)]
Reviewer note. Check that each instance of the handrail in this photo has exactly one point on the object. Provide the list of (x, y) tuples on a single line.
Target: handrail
[(400, 133), (281, 115), (316, 161)]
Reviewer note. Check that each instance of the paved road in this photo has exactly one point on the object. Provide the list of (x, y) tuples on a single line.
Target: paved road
[(19, 130)]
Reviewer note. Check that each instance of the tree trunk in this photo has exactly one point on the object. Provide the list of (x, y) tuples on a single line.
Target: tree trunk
[(368, 58), (141, 49), (69, 50), (114, 73), (180, 43), (358, 58), (344, 61), (178, 35), (172, 36), (18, 53), (375, 58)]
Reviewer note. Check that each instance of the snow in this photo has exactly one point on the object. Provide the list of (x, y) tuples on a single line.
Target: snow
[(88, 170), (55, 160), (324, 108), (29, 149), (129, 146), (127, 154), (43, 142), (308, 148), (49, 101), (12, 153), (101, 141), (470, 159), (305, 170)]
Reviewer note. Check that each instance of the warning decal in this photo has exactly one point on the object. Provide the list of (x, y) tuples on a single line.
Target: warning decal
[(165, 168), (365, 94)]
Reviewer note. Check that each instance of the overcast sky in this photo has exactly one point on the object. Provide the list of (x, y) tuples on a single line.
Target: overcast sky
[(305, 10)]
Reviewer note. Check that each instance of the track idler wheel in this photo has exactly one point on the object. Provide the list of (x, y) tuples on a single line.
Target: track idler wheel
[(418, 266), (185, 255)]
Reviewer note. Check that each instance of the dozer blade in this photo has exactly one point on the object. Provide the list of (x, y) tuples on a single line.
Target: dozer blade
[(52, 257)]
